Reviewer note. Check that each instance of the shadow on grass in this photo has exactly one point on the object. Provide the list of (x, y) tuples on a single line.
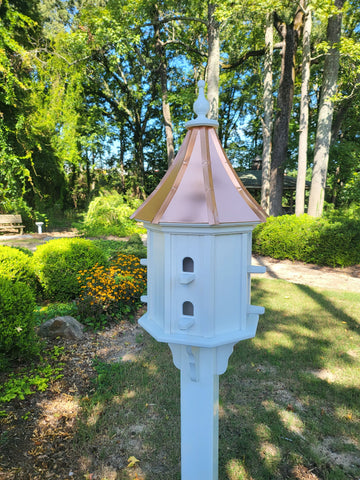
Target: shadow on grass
[(282, 407), (134, 411), (331, 308), (289, 401)]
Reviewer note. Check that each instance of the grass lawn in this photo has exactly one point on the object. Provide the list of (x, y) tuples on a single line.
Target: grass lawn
[(289, 401)]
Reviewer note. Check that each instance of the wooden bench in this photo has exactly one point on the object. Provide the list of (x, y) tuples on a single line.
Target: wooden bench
[(11, 223)]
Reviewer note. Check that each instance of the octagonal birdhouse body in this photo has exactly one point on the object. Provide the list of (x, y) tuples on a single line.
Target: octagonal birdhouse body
[(199, 222)]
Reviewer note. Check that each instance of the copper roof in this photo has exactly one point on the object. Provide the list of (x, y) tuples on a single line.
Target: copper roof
[(200, 186)]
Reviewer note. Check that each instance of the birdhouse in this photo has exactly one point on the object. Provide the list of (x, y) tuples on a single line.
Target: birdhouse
[(199, 222)]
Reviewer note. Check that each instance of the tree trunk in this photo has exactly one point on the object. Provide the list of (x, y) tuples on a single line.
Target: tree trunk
[(325, 116), (290, 34), (268, 113), (304, 116), (162, 67), (213, 63)]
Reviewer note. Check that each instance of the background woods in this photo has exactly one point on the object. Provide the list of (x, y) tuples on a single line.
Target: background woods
[(94, 96)]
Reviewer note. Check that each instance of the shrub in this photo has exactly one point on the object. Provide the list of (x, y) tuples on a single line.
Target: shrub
[(17, 323), (333, 240), (18, 266), (111, 293), (110, 215), (25, 250), (59, 262), (133, 246), (286, 236), (336, 244)]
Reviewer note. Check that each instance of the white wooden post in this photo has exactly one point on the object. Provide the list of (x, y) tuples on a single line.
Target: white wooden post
[(200, 369)]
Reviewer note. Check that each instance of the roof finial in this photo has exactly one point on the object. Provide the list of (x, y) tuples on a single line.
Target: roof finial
[(201, 108)]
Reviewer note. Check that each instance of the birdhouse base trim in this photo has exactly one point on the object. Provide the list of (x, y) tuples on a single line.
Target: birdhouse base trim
[(196, 341), (201, 228), (192, 359)]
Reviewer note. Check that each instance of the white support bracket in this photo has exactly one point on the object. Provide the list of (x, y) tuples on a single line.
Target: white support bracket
[(254, 309), (256, 269)]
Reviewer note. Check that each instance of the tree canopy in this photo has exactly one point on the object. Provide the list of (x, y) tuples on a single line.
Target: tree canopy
[(94, 94)]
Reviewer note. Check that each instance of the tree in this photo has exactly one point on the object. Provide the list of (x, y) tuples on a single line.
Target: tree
[(161, 57), (288, 24), (20, 145), (304, 114), (213, 62), (290, 33), (268, 113), (325, 116)]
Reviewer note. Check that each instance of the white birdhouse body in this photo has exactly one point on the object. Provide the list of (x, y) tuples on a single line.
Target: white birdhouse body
[(199, 284)]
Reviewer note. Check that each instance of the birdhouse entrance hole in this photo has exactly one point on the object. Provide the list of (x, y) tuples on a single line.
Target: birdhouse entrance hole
[(188, 264), (188, 309)]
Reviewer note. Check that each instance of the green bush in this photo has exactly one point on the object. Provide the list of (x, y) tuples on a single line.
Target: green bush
[(18, 266), (336, 244), (59, 261), (333, 241), (109, 215), (286, 236), (133, 246), (17, 321), (25, 250)]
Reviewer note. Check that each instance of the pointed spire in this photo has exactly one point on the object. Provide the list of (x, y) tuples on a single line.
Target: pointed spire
[(201, 108)]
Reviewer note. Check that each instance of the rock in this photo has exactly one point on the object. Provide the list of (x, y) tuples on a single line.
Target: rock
[(64, 327)]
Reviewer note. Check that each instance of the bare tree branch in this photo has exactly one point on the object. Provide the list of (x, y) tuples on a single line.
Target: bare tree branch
[(246, 56), (188, 47), (170, 19)]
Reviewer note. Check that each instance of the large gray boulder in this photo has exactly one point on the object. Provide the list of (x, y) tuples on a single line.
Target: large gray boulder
[(64, 327)]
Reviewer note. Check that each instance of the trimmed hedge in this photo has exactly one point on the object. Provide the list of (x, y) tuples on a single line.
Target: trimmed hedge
[(336, 244), (17, 321), (59, 261), (18, 266), (323, 241)]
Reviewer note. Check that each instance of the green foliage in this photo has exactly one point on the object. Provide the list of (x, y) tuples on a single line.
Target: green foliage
[(13, 175), (59, 261), (30, 380), (111, 293), (351, 190), (283, 237), (17, 265), (109, 215), (333, 240), (334, 215), (57, 309), (133, 246), (25, 250), (336, 244), (17, 321)]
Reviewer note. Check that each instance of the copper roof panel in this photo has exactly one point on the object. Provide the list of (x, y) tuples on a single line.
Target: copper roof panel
[(200, 187)]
